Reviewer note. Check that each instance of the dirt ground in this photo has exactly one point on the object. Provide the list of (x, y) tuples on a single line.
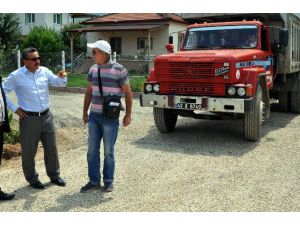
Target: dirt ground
[(65, 141), (68, 126), (203, 166)]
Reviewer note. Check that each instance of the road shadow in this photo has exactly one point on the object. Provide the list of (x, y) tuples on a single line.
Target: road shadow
[(69, 202), (29, 194), (210, 137)]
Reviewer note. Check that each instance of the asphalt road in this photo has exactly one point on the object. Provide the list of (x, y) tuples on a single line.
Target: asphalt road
[(201, 166)]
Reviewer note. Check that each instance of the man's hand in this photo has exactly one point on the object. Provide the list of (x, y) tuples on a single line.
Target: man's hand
[(85, 118), (62, 74), (21, 113), (126, 120)]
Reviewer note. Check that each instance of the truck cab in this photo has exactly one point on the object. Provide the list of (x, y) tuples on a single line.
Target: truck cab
[(223, 69)]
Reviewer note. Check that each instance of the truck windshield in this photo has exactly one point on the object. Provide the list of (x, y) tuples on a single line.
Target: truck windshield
[(221, 37)]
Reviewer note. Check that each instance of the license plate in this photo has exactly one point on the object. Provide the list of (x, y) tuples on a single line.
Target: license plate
[(188, 106)]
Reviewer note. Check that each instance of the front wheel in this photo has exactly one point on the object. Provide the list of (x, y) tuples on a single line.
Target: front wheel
[(253, 120), (165, 119)]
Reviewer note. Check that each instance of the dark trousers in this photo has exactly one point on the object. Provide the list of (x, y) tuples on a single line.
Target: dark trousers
[(32, 130)]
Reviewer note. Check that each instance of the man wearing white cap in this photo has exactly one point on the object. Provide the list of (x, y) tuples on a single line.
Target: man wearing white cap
[(113, 81)]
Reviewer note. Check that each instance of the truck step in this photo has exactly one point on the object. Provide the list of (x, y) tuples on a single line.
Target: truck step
[(272, 101)]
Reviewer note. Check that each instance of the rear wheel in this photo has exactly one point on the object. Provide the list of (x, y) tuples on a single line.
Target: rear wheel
[(295, 102), (283, 101), (253, 120), (165, 119)]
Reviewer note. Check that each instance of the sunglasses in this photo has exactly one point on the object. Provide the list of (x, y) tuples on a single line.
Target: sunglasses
[(34, 59)]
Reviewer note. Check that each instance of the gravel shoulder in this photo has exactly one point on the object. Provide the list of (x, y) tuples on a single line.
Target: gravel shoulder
[(201, 166)]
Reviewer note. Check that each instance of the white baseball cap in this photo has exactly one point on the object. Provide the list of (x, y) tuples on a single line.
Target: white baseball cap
[(102, 45)]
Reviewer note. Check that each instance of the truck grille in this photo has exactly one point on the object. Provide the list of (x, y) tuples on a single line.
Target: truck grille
[(187, 70), (190, 78), (191, 70)]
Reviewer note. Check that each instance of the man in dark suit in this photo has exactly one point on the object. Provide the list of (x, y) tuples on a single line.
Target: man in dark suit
[(4, 127)]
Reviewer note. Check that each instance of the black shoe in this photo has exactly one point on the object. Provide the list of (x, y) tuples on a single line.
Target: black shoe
[(6, 196), (109, 187), (37, 185), (88, 186), (58, 181)]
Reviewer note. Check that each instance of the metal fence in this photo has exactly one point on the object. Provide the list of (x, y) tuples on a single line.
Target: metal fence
[(57, 61), (9, 63), (53, 60), (137, 67)]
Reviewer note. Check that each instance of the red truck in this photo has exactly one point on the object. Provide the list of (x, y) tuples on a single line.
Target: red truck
[(228, 69)]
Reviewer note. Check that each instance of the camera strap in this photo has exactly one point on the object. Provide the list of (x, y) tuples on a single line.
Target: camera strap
[(100, 82)]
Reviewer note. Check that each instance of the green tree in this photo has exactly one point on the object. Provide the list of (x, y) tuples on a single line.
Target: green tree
[(49, 44), (44, 39), (9, 30), (79, 44)]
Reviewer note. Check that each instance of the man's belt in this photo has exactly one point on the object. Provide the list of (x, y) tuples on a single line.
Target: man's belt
[(37, 113)]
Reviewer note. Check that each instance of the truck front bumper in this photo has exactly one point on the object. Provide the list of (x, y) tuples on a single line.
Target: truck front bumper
[(203, 103)]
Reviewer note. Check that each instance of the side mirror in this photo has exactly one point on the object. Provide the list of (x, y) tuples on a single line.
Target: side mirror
[(170, 39), (170, 48), (283, 38)]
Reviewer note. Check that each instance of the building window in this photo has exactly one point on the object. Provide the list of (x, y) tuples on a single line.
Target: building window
[(29, 18), (142, 43), (57, 18), (116, 45), (180, 40)]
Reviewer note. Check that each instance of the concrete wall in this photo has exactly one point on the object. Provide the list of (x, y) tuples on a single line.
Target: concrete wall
[(174, 30)]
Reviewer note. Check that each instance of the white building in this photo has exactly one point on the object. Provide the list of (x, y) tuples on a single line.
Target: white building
[(130, 33), (51, 20)]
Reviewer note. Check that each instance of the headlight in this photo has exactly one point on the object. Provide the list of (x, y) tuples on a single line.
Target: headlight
[(148, 87), (241, 91), (231, 91), (156, 87)]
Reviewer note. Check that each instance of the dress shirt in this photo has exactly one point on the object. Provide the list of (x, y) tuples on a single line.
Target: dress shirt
[(31, 88)]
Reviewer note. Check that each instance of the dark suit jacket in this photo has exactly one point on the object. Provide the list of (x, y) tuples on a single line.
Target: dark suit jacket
[(5, 125)]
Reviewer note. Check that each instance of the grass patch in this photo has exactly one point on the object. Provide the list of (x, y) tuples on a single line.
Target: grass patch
[(136, 83), (77, 80)]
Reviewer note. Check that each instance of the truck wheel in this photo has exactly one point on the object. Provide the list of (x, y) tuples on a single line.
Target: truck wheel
[(253, 120), (165, 119), (283, 101), (295, 102)]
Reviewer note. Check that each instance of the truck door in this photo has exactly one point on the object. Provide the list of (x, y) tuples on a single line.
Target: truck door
[(268, 56)]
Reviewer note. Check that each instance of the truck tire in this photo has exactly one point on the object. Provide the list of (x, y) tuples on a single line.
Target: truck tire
[(283, 101), (165, 119), (295, 102), (253, 120)]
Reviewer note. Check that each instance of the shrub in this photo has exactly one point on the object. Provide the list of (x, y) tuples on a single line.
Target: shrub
[(14, 136), (44, 39), (136, 83)]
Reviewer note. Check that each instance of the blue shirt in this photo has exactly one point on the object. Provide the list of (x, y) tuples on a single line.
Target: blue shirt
[(31, 88)]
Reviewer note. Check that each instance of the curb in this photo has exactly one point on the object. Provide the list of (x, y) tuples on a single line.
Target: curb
[(68, 89)]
